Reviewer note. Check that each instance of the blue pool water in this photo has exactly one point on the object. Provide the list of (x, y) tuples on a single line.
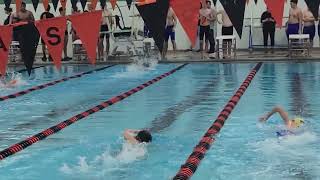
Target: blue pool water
[(178, 110)]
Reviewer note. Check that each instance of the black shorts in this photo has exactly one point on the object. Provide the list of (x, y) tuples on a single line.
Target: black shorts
[(204, 31), (104, 28), (227, 31)]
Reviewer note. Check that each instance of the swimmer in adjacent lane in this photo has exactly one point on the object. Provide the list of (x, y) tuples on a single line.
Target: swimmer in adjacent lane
[(291, 123)]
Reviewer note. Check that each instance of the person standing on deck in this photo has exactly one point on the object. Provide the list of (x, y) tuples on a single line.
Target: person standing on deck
[(170, 33), (294, 24), (268, 28), (309, 24), (206, 15)]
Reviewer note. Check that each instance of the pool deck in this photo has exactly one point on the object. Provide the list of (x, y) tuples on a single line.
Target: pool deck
[(184, 56)]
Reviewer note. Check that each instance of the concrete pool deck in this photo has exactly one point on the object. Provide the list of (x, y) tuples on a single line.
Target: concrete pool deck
[(184, 56)]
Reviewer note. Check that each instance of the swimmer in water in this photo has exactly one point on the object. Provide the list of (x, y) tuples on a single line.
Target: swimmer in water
[(9, 84), (137, 136), (290, 123)]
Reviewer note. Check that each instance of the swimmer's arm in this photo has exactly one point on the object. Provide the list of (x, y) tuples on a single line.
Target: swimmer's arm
[(129, 136), (284, 115)]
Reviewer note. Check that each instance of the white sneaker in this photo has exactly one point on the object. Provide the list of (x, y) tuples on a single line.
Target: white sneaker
[(212, 55)]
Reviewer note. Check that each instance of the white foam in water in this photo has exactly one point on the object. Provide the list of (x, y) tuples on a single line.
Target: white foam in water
[(16, 80), (137, 68), (106, 162)]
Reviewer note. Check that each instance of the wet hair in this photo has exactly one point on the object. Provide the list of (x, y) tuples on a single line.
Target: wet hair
[(23, 4), (294, 1), (144, 136)]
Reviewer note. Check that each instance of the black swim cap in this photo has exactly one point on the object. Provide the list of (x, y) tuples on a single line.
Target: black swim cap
[(144, 136)]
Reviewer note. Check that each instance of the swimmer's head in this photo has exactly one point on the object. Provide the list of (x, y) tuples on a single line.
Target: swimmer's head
[(293, 3), (298, 122), (144, 136)]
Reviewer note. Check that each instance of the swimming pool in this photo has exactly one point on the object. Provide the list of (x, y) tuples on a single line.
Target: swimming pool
[(178, 109)]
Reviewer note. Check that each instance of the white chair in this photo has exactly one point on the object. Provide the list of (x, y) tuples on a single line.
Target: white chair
[(14, 51), (79, 52), (299, 44), (223, 45)]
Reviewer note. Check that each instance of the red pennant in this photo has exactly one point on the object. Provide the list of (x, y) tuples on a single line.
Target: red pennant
[(63, 3), (276, 8), (5, 40), (87, 26), (188, 16), (94, 3), (18, 5), (113, 3), (145, 2), (45, 4), (52, 31)]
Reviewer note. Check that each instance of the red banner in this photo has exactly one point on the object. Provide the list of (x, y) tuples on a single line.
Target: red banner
[(18, 5), (87, 26), (188, 16), (45, 4), (52, 32), (5, 40), (276, 8), (113, 3)]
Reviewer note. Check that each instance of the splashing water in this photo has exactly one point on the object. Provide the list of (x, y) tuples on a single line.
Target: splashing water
[(106, 162), (12, 80), (139, 67)]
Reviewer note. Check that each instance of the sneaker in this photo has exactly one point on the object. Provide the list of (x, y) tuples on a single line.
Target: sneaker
[(212, 55)]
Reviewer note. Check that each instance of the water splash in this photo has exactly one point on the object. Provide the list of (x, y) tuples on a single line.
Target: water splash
[(138, 68), (106, 162), (12, 80)]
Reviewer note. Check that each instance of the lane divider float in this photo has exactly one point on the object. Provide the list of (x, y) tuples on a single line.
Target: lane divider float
[(24, 92), (54, 129), (199, 151)]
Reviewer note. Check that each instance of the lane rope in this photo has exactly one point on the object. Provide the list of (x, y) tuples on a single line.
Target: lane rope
[(54, 129), (24, 92), (199, 151)]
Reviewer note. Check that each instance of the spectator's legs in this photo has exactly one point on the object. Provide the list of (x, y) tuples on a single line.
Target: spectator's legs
[(107, 47), (272, 33), (173, 41), (65, 46), (311, 31), (211, 41), (201, 37), (100, 47), (164, 49), (265, 38)]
